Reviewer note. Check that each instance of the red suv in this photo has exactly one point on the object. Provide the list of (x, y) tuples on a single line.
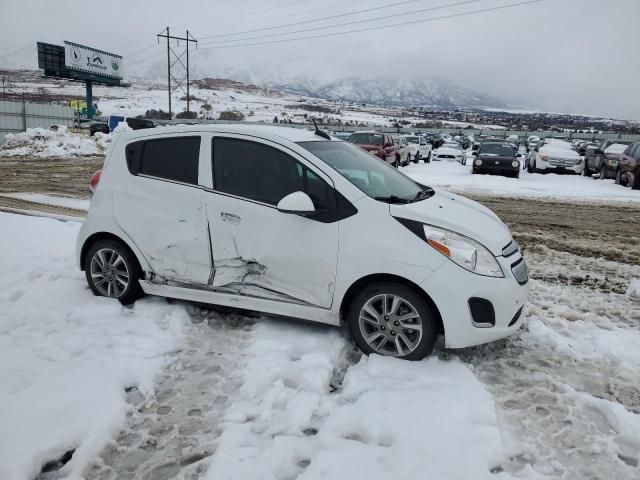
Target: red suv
[(380, 144), (628, 169)]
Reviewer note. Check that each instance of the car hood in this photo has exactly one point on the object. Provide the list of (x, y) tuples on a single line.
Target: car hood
[(559, 152), (459, 214), (498, 158)]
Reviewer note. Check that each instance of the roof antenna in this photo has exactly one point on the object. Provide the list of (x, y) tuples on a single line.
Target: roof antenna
[(319, 132)]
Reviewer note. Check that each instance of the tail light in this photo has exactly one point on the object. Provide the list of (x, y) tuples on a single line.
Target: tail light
[(93, 183)]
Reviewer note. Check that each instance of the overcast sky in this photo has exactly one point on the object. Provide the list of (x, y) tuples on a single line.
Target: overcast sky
[(578, 56)]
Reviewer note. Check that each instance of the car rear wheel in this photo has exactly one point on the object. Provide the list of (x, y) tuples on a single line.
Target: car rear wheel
[(585, 171), (397, 162), (113, 271), (619, 179), (391, 319), (635, 183)]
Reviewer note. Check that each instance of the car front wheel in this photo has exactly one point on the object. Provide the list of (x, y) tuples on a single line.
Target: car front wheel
[(113, 271), (391, 319)]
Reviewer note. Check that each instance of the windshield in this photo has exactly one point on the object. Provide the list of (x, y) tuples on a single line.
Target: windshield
[(366, 139), (496, 149), (367, 172), (413, 139)]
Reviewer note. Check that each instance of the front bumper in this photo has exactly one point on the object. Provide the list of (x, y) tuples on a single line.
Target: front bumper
[(451, 287), (500, 169), (560, 167)]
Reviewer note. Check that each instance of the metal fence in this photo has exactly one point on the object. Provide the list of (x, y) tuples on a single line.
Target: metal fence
[(18, 116)]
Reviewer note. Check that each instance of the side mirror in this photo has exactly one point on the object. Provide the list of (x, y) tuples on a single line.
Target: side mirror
[(296, 202)]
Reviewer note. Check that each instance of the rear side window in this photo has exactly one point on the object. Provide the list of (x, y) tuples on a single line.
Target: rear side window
[(636, 153), (168, 158), (259, 172)]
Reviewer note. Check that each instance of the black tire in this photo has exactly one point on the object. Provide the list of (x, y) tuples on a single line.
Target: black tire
[(585, 171), (133, 290), (425, 342), (428, 159), (529, 166), (635, 185), (619, 180), (416, 159)]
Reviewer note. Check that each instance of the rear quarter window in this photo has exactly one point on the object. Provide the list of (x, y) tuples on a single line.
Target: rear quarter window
[(173, 159)]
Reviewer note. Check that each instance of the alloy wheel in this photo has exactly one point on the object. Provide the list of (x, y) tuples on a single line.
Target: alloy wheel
[(109, 273), (390, 325)]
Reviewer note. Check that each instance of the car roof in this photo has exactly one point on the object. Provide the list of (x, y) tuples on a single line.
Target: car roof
[(267, 132)]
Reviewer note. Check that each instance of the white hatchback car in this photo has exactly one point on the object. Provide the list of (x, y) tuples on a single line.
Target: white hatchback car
[(289, 222)]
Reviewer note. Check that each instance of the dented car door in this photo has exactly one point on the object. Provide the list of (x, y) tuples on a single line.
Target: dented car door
[(258, 250), (169, 221)]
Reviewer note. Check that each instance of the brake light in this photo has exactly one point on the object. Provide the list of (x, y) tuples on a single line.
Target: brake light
[(93, 183)]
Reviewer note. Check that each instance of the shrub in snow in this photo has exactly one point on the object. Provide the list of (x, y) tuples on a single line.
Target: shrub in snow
[(231, 115)]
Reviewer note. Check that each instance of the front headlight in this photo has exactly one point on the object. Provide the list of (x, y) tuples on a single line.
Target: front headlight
[(515, 164), (464, 251), (478, 162)]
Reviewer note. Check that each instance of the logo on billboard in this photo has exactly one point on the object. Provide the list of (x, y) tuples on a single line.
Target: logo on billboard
[(75, 55), (115, 65)]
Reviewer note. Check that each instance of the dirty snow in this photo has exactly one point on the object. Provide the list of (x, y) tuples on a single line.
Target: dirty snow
[(295, 416), (458, 178), (58, 200), (65, 355), (60, 143)]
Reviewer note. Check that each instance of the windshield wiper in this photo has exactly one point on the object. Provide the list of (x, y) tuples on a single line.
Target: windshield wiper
[(424, 193), (392, 199)]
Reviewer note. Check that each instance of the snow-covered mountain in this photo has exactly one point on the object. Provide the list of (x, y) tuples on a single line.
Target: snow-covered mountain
[(415, 92)]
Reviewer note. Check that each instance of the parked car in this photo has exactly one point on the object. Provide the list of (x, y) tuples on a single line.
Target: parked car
[(595, 158), (532, 141), (133, 123), (497, 158), (610, 159), (380, 144), (403, 149), (551, 155), (342, 135), (276, 224), (93, 127), (628, 170), (514, 140), (419, 148), (449, 151)]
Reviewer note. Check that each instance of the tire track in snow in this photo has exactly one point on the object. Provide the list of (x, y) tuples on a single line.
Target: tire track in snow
[(173, 434)]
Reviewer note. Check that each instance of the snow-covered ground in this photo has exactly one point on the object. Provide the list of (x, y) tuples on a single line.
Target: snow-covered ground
[(66, 356), (60, 201), (458, 178), (46, 143), (560, 399)]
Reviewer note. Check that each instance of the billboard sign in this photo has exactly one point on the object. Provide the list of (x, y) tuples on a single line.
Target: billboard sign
[(85, 59)]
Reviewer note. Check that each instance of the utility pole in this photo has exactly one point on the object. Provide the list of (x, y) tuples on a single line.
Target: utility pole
[(178, 56)]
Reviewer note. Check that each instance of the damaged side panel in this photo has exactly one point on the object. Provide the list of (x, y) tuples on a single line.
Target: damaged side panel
[(259, 251)]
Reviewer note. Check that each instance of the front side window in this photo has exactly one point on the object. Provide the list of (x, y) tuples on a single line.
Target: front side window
[(174, 158), (265, 174), (368, 173)]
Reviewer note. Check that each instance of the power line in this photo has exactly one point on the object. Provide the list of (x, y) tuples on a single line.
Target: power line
[(379, 27), (244, 14), (314, 20), (354, 22)]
